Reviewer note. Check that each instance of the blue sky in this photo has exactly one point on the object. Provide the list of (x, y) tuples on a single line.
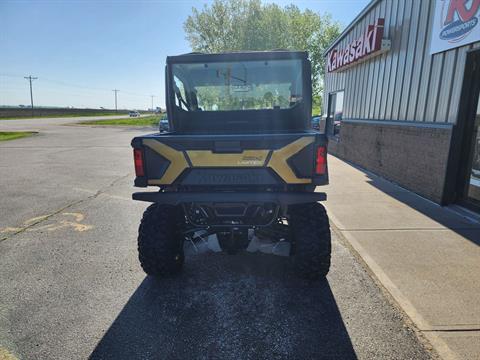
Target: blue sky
[(81, 50)]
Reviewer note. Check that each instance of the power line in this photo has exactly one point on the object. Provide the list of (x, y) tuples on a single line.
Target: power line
[(115, 91), (72, 85), (11, 75), (30, 79), (68, 84)]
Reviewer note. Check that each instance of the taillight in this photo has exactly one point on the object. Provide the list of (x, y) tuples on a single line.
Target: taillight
[(321, 161), (138, 160)]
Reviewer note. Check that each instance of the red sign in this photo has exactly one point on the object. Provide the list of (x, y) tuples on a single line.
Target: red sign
[(366, 46), (460, 7)]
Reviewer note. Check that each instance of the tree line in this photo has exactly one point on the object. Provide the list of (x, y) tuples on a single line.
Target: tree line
[(232, 25)]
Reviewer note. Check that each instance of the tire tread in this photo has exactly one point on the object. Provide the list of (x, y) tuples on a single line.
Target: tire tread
[(160, 249), (312, 240)]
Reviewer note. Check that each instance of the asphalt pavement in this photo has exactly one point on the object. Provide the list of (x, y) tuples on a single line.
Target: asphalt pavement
[(71, 286)]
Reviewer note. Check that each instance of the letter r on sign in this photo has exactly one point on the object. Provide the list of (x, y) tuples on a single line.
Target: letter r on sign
[(460, 7)]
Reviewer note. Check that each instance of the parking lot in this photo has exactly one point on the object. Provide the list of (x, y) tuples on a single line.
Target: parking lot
[(71, 286)]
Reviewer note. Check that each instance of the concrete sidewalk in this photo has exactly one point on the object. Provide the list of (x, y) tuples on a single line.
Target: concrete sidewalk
[(426, 256)]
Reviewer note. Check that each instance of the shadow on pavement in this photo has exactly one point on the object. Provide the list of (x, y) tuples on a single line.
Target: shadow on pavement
[(229, 307), (448, 218)]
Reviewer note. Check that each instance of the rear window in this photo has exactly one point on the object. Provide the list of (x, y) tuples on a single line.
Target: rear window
[(247, 85)]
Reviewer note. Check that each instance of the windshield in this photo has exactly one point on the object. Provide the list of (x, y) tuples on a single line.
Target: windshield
[(247, 85)]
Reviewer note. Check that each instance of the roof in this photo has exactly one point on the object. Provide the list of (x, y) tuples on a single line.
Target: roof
[(345, 32), (238, 56)]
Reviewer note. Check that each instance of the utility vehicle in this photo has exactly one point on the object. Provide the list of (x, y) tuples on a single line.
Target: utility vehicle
[(240, 154)]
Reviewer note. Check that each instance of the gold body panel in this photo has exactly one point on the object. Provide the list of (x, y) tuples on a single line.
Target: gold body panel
[(248, 158), (278, 161), (178, 163)]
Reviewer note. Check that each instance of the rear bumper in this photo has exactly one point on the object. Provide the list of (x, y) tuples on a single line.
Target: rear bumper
[(280, 198)]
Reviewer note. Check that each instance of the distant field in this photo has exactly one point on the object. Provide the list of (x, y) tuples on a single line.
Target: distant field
[(12, 135), (142, 121), (19, 113)]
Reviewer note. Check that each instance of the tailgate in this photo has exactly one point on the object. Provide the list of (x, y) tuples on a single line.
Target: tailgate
[(230, 160)]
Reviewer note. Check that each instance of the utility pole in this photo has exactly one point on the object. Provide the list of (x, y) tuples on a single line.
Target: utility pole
[(115, 91), (30, 79), (152, 96)]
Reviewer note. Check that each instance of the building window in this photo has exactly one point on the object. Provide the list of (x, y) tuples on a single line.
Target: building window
[(335, 112)]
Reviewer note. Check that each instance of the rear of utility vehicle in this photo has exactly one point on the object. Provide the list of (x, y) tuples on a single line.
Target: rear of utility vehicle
[(240, 154)]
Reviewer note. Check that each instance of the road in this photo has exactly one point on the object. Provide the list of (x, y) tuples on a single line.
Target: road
[(71, 286)]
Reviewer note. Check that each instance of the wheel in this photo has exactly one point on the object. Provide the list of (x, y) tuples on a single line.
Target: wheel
[(160, 244), (311, 240)]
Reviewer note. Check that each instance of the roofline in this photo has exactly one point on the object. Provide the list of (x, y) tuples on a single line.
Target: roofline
[(237, 56), (351, 25)]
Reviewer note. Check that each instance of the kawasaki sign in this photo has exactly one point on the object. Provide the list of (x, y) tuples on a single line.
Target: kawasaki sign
[(456, 23), (370, 44)]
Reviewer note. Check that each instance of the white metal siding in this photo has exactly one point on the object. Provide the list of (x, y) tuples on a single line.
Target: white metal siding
[(406, 83)]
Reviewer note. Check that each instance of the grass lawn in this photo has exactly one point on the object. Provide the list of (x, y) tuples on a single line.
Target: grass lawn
[(12, 135), (141, 121)]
